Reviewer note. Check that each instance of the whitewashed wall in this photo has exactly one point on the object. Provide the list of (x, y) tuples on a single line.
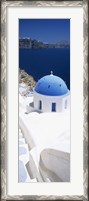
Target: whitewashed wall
[(48, 100)]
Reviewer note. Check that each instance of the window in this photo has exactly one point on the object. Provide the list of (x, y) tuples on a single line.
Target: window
[(53, 107), (65, 104), (40, 105)]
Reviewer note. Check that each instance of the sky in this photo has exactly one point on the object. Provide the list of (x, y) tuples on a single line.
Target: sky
[(45, 30)]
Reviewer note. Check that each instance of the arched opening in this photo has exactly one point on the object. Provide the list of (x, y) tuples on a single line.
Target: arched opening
[(65, 104), (40, 105), (53, 107)]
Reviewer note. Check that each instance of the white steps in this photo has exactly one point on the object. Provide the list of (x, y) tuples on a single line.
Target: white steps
[(23, 160)]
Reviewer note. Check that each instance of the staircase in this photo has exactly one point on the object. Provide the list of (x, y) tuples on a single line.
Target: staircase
[(23, 160)]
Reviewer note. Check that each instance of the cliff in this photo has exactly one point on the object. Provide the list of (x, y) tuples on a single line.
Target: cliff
[(26, 79), (34, 44)]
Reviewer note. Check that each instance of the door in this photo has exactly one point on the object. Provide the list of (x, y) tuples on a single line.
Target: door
[(53, 107), (40, 105)]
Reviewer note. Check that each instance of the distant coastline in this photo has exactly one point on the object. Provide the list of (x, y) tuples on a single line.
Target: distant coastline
[(34, 44)]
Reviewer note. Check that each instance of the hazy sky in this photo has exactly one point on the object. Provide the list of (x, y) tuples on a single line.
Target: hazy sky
[(46, 30)]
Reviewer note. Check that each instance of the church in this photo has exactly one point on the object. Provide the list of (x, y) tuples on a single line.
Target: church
[(50, 95)]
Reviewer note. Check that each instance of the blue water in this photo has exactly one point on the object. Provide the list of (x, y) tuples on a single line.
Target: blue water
[(39, 62)]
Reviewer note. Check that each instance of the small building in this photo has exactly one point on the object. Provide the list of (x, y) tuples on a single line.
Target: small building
[(50, 95)]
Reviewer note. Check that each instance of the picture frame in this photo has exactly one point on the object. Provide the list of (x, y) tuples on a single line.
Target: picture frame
[(4, 126)]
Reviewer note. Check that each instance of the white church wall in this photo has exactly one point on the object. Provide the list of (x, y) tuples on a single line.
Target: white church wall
[(48, 100), (66, 103)]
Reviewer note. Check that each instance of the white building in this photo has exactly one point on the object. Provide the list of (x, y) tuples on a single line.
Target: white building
[(45, 154), (50, 95)]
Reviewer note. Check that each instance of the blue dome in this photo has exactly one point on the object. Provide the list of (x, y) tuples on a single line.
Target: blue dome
[(51, 85)]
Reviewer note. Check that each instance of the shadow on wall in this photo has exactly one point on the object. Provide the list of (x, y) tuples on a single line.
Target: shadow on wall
[(54, 165)]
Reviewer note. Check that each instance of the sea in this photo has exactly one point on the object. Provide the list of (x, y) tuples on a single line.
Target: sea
[(40, 62)]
